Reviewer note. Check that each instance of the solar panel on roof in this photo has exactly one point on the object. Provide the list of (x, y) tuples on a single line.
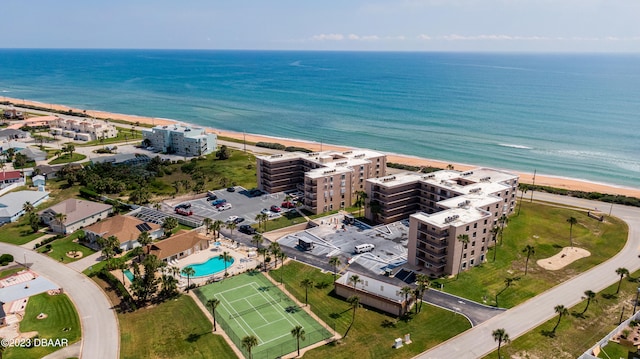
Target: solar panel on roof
[(146, 226)]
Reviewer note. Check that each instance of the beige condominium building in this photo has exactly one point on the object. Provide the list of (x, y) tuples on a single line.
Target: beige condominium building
[(328, 180), (443, 207), (180, 140)]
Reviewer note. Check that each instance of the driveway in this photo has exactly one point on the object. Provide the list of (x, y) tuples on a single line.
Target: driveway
[(100, 331), (477, 341)]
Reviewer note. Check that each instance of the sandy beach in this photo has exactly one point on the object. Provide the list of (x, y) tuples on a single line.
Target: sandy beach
[(543, 180)]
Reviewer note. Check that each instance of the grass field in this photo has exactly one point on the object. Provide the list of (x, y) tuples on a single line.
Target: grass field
[(545, 228), (18, 232), (371, 335), (577, 333), (251, 305), (174, 329), (61, 322), (60, 247)]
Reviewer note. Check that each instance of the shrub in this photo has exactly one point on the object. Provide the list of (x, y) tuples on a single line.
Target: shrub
[(6, 259), (272, 145)]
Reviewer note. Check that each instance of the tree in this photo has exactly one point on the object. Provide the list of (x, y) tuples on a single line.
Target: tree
[(523, 189), (188, 272), (423, 285), (274, 249), (169, 286), (500, 336), (621, 272), (145, 286), (530, 250), (494, 233), (355, 279), (263, 252), (248, 343), (257, 240), (206, 223), (561, 310), (298, 333), (28, 207), (137, 252), (354, 303), (503, 221), (217, 224), (464, 239), (145, 240), (34, 221), (223, 153), (213, 304), (361, 198), (231, 226), (306, 284), (572, 221), (406, 290), (109, 246), (262, 219), (590, 295), (60, 218), (335, 263), (169, 224), (226, 258), (508, 282), (70, 148)]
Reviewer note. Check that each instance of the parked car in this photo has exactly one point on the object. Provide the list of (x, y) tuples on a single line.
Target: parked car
[(184, 205), (255, 192), (225, 206), (275, 209), (218, 201), (247, 229), (264, 210), (231, 189), (184, 211), (288, 204), (239, 220), (232, 219)]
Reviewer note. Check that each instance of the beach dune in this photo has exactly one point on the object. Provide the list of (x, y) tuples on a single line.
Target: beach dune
[(540, 179)]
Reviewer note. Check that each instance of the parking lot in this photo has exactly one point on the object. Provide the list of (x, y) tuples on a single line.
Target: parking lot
[(242, 205), (334, 238)]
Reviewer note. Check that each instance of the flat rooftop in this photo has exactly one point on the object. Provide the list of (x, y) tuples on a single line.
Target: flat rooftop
[(455, 217), (374, 286)]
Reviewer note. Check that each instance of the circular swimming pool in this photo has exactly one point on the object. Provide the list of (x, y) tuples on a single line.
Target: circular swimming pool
[(212, 266)]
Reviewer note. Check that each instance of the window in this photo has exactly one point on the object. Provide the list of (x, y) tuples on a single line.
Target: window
[(473, 244), (475, 225), (464, 265), (471, 262), (464, 255), (467, 228)]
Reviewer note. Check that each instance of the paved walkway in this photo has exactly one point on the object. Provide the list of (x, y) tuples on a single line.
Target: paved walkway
[(477, 341), (100, 332), (85, 262)]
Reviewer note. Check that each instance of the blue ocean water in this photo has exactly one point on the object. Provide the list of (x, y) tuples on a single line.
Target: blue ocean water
[(572, 115)]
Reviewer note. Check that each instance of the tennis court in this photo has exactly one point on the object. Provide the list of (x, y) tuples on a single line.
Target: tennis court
[(251, 305)]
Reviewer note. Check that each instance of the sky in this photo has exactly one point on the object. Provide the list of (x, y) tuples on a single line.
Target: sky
[(356, 25)]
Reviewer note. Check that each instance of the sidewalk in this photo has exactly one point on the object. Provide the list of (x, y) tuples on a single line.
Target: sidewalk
[(85, 262)]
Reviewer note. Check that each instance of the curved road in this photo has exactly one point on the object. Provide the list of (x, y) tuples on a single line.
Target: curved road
[(100, 332), (478, 342)]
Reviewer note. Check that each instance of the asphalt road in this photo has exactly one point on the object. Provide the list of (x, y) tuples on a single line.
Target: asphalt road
[(100, 332), (477, 341)]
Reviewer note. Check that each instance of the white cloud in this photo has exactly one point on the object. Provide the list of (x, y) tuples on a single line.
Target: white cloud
[(328, 37), (355, 37), (424, 37)]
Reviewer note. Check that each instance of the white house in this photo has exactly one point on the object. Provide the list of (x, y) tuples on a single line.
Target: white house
[(76, 214), (12, 204)]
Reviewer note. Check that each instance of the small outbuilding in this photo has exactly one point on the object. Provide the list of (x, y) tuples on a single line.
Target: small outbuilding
[(374, 293)]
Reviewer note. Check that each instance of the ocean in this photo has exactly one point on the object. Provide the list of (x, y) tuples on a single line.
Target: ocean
[(567, 115)]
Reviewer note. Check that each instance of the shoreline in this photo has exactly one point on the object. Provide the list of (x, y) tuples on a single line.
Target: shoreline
[(540, 179)]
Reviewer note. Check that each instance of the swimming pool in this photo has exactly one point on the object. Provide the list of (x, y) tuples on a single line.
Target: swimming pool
[(129, 275), (212, 266)]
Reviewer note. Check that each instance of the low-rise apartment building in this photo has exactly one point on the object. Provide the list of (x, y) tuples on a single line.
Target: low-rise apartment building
[(181, 140), (329, 180), (443, 207), (84, 130)]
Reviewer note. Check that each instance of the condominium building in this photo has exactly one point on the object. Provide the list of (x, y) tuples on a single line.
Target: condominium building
[(328, 180), (181, 140), (445, 209), (84, 130)]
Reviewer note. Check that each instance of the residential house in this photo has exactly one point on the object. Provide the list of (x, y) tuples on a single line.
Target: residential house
[(9, 177), (13, 134), (374, 293), (126, 228), (83, 130), (13, 114), (34, 154), (12, 204), (179, 246), (50, 172), (77, 213), (38, 180)]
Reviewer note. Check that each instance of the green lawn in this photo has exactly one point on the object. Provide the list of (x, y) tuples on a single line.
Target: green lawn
[(66, 158), (368, 338), (287, 219), (173, 329), (61, 322), (576, 333), (545, 228), (60, 247), (125, 135), (8, 272), (18, 232)]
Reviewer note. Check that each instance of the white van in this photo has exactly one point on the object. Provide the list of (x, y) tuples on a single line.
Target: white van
[(361, 248)]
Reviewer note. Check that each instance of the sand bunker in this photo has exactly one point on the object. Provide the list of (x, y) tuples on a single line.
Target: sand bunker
[(566, 256), (74, 254)]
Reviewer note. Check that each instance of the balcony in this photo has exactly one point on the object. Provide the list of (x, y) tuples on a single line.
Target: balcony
[(434, 255)]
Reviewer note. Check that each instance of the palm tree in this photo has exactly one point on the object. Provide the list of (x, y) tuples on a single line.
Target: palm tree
[(188, 272), (508, 282), (423, 284), (262, 218), (213, 303), (503, 221), (169, 224), (572, 221), (226, 257), (306, 284), (274, 249), (145, 240), (621, 272), (590, 295), (231, 226), (361, 198), (174, 270), (298, 333), (257, 240), (561, 310), (206, 222), (281, 256), (355, 279), (494, 233), (523, 189), (530, 250), (28, 207), (60, 218), (406, 290), (217, 224), (500, 336), (354, 303), (263, 252), (248, 343), (464, 239), (335, 262)]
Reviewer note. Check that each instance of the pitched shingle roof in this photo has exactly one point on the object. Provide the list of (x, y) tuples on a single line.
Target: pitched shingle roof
[(176, 244), (77, 209), (125, 228)]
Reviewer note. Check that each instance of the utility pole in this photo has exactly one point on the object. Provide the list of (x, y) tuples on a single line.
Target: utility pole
[(533, 185)]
